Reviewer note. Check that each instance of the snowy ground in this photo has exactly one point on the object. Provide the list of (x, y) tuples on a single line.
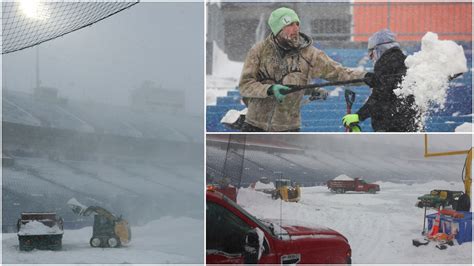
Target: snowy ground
[(380, 227), (168, 240)]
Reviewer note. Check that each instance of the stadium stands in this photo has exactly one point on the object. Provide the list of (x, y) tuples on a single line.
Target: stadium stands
[(325, 116)]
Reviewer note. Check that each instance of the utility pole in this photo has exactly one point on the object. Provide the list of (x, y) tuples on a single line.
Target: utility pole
[(38, 82)]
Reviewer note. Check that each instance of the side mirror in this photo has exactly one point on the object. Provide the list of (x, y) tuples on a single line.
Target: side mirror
[(251, 247)]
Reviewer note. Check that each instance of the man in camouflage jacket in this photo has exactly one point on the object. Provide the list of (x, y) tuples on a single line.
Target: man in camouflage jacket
[(286, 56)]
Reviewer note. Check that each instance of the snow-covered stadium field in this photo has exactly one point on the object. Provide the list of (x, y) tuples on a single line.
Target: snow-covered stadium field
[(167, 240), (380, 227)]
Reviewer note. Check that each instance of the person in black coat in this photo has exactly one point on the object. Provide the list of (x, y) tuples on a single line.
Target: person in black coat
[(388, 112)]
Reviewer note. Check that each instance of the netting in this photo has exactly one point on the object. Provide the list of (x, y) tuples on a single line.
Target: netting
[(227, 168), (28, 23)]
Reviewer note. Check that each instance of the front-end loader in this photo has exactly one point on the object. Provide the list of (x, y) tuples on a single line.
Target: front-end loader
[(108, 230)]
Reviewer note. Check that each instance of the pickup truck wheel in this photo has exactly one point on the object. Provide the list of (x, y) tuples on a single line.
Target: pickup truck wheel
[(372, 191), (95, 242)]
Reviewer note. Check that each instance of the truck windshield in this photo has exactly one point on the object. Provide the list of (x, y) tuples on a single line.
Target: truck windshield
[(254, 219)]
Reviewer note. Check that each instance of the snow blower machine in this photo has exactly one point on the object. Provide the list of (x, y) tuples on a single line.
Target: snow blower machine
[(108, 230), (286, 191)]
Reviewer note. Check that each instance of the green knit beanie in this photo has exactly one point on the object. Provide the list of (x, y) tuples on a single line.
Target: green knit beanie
[(281, 17)]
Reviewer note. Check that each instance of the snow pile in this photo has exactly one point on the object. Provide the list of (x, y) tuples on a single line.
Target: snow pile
[(225, 75), (466, 127), (428, 73), (260, 185), (223, 67), (38, 228), (343, 177)]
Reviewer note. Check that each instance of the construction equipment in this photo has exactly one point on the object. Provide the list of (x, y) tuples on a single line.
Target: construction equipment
[(464, 201), (439, 199), (286, 191), (108, 229), (40, 230)]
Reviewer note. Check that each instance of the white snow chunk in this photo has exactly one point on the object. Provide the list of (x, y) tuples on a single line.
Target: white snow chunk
[(38, 228), (232, 115), (343, 177), (466, 127), (427, 77), (74, 202), (336, 92)]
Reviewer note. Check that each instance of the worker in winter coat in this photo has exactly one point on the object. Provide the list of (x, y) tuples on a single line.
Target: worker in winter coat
[(388, 112), (286, 56)]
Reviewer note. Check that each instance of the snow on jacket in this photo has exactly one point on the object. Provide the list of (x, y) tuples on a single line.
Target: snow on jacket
[(267, 63), (388, 112)]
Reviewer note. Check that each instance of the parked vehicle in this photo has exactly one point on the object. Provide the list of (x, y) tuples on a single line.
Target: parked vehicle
[(234, 236), (356, 184), (108, 230), (40, 230), (229, 191), (441, 199), (286, 191)]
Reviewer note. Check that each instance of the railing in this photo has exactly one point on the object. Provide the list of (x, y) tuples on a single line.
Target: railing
[(409, 20)]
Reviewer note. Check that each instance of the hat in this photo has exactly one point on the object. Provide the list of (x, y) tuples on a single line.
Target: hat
[(280, 18), (381, 37)]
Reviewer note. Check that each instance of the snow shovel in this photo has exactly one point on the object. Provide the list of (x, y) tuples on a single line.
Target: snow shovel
[(295, 88), (350, 98)]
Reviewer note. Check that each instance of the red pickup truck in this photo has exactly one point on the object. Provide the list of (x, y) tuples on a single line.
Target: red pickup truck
[(356, 184), (230, 230)]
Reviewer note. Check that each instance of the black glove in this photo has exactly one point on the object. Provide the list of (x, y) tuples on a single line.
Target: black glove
[(370, 79)]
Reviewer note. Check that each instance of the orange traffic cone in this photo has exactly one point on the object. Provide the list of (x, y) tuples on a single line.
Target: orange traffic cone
[(435, 228)]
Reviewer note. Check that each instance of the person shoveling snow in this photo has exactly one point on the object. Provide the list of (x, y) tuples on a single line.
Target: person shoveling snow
[(429, 72), (403, 88)]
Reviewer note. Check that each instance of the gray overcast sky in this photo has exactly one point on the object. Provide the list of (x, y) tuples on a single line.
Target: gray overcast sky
[(161, 42)]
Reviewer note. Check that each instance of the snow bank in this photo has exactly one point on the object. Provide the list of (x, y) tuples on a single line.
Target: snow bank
[(38, 228), (428, 73), (225, 75), (466, 127), (222, 66), (343, 177)]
